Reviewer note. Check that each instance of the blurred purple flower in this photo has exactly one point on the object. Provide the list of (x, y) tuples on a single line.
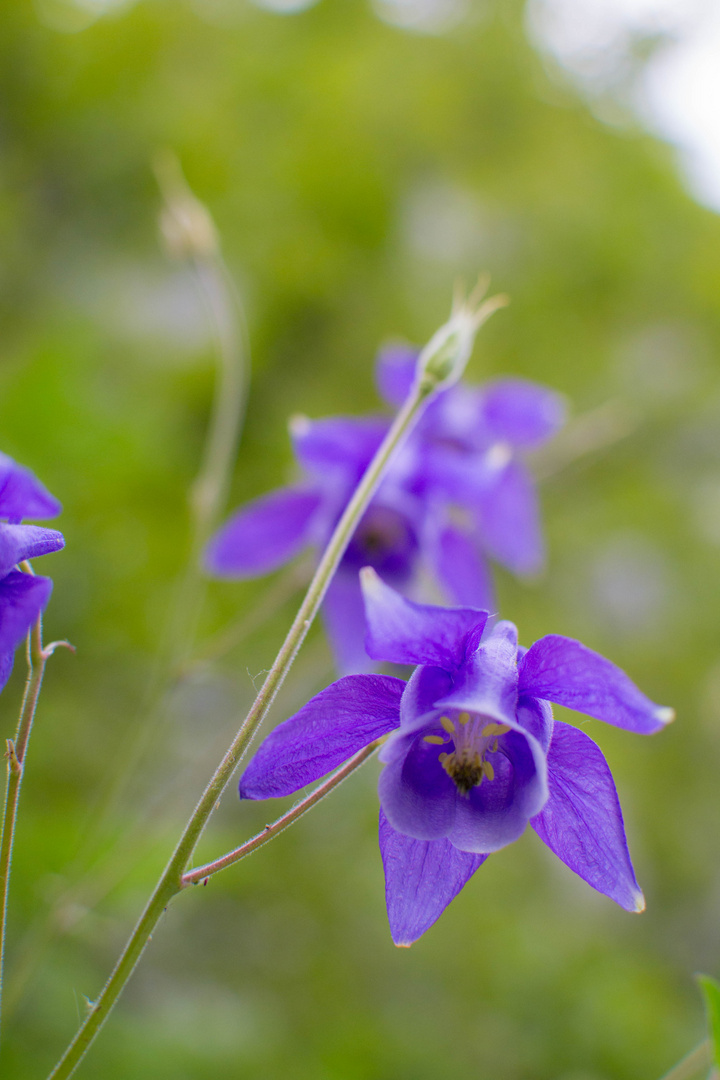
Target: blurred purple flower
[(22, 596), (473, 752), (457, 489)]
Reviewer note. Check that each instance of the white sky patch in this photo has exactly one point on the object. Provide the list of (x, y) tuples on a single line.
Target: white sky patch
[(676, 93)]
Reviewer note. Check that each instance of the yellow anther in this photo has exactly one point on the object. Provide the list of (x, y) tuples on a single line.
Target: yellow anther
[(442, 758), (464, 717), (495, 729), (447, 724), (488, 770), (494, 747), (437, 739)]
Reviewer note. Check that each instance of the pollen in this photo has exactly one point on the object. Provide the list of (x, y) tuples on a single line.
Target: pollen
[(437, 739), (488, 770), (447, 724), (495, 729), (464, 717)]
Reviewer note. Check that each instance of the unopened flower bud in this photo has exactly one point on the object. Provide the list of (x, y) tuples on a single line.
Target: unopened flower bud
[(186, 226), (444, 358)]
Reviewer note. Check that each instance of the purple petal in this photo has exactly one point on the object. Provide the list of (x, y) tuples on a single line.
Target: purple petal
[(416, 793), (582, 821), (19, 542), (408, 633), (343, 613), (509, 520), (426, 686), (335, 444), (22, 495), (395, 373), (262, 535), (496, 813), (536, 716), (486, 682), (563, 670), (6, 665), (421, 878), (22, 598), (522, 413), (461, 569), (333, 726)]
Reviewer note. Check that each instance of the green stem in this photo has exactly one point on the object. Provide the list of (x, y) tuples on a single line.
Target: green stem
[(202, 873), (15, 755), (687, 1069), (171, 881)]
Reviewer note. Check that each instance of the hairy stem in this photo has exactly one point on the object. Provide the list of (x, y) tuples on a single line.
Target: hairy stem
[(171, 881), (15, 756), (202, 873)]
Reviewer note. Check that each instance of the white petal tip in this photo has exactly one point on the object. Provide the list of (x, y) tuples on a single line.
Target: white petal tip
[(299, 424), (639, 903), (665, 715), (369, 579)]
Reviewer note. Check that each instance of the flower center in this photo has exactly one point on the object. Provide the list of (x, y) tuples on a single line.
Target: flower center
[(473, 737)]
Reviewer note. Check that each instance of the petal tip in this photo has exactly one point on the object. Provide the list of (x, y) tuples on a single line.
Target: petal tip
[(639, 904), (665, 714), (402, 944), (369, 579), (299, 425)]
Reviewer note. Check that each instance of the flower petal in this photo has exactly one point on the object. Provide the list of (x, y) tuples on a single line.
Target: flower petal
[(582, 821), (421, 878), (521, 412), (565, 671), (426, 686), (22, 598), (334, 725), (22, 495), (344, 444), (461, 569), (509, 520), (395, 370), (18, 542), (343, 614), (536, 716), (417, 795), (263, 534), (487, 680), (408, 633)]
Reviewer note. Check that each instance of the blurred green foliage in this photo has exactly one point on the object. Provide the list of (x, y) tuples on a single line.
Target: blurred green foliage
[(354, 170)]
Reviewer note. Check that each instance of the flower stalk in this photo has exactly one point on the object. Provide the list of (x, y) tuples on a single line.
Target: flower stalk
[(171, 881)]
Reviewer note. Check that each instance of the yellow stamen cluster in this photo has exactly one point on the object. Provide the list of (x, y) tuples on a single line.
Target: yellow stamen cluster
[(466, 765)]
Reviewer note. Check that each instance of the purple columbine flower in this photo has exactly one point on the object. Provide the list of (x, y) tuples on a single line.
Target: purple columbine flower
[(473, 752), (22, 596), (457, 491)]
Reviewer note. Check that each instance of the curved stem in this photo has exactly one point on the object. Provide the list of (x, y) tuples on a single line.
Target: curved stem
[(202, 873), (698, 1059), (15, 756), (171, 882)]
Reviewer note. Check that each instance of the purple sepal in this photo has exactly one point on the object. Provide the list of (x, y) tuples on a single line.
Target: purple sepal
[(521, 413), (343, 613), (263, 534), (565, 671), (461, 569), (6, 665), (421, 879), (343, 444), (22, 598), (509, 520), (333, 726), (395, 373), (582, 821), (22, 495), (19, 542), (406, 633)]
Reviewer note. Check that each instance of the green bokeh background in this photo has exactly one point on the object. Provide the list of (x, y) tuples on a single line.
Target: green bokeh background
[(354, 170)]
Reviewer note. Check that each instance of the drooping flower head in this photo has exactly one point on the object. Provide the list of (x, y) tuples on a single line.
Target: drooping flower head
[(22, 596), (473, 753), (458, 490)]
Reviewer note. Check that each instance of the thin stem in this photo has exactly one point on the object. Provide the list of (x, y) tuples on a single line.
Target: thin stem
[(202, 873), (687, 1069), (15, 756), (170, 882)]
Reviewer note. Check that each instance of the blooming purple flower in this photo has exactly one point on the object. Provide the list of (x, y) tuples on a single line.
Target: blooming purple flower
[(457, 490), (22, 596), (473, 753)]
